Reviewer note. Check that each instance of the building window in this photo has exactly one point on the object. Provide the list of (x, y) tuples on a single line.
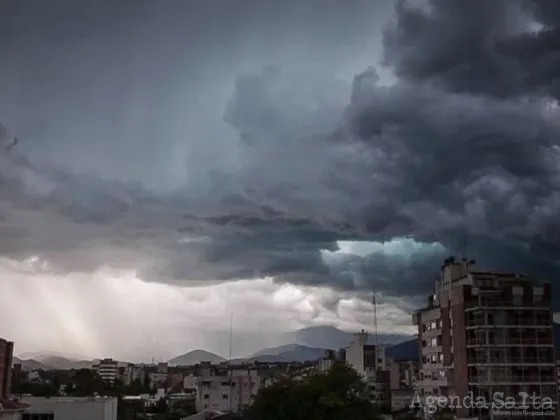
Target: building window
[(225, 396), (206, 396)]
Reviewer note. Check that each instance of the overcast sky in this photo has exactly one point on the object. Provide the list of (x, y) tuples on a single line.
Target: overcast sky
[(182, 160)]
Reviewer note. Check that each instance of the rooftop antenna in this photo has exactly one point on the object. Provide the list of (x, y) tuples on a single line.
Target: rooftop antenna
[(374, 303)]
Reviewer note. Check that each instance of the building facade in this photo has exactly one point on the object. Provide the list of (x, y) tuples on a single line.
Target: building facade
[(6, 359), (404, 373), (484, 333), (133, 373), (226, 388), (70, 408), (107, 369), (370, 361)]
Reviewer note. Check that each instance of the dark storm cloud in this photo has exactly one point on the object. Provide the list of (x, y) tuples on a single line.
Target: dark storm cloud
[(135, 172), (485, 47)]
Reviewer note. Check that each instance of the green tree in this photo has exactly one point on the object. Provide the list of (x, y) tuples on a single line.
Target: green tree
[(340, 394), (160, 407), (69, 390), (86, 382), (147, 384)]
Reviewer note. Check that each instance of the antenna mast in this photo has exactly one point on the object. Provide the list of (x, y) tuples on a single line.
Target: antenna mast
[(230, 334), (229, 362), (374, 301)]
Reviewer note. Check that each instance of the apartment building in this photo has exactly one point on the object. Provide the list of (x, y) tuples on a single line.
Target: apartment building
[(133, 373), (370, 361), (327, 361), (70, 408), (558, 376), (158, 379), (107, 369), (226, 388), (404, 373), (163, 368), (6, 359), (483, 333)]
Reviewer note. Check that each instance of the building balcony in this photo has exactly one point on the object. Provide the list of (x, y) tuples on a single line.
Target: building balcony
[(509, 341), (429, 366), (506, 324), (431, 333), (431, 383), (512, 379), (429, 350), (500, 304), (508, 361)]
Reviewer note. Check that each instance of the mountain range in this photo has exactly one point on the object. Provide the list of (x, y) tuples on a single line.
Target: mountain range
[(194, 357), (308, 344)]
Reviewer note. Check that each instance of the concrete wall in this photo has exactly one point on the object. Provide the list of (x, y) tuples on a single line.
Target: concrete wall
[(74, 408)]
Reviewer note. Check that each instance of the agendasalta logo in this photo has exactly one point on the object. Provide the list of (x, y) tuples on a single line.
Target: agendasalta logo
[(523, 401)]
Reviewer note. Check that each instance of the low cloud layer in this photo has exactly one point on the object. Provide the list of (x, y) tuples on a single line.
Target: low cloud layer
[(457, 153), (111, 313)]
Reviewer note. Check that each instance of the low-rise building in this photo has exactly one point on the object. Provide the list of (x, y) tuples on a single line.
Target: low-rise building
[(157, 379), (70, 408), (226, 388), (133, 373)]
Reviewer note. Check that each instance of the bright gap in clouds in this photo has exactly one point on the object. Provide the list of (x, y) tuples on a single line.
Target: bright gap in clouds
[(395, 247), (115, 314)]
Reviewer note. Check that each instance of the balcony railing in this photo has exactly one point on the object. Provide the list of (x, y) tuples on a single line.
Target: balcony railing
[(512, 379), (505, 304), (512, 323), (507, 341), (508, 360)]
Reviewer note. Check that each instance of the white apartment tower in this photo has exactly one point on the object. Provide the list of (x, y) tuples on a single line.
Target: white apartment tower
[(370, 361)]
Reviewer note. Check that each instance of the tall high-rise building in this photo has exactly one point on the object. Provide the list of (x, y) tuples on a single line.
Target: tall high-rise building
[(370, 361), (486, 334), (6, 358)]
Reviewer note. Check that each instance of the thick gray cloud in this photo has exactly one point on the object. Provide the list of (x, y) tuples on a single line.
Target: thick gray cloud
[(160, 139), (501, 48)]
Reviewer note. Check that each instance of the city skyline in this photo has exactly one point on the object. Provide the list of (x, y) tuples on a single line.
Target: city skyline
[(179, 162)]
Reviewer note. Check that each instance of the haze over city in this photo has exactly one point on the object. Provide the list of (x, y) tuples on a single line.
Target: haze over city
[(179, 162)]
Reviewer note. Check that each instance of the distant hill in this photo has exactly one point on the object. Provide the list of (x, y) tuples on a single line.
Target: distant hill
[(326, 337), (42, 355), (58, 362), (51, 362), (407, 350), (265, 358), (290, 352), (31, 364), (194, 357)]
